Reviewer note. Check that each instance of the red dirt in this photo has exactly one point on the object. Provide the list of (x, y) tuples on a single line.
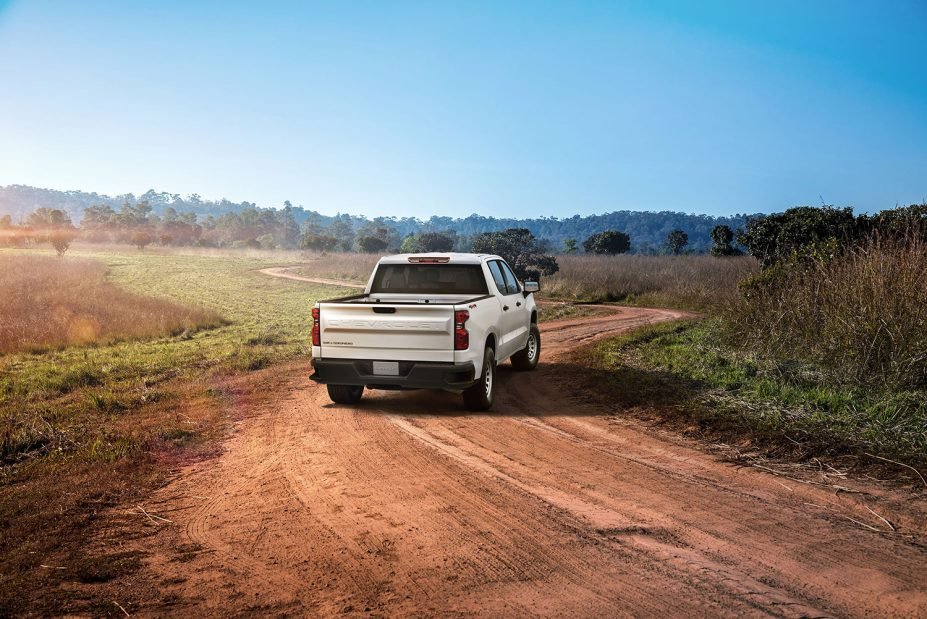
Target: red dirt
[(408, 505)]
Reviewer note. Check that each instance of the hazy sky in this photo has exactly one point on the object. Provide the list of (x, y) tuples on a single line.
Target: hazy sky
[(501, 108)]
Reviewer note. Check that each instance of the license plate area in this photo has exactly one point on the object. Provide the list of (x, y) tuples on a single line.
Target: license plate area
[(386, 368)]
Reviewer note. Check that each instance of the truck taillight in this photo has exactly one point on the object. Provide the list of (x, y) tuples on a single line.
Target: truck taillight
[(461, 336), (316, 328)]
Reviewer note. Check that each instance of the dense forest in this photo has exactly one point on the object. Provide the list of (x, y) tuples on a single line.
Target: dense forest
[(173, 219)]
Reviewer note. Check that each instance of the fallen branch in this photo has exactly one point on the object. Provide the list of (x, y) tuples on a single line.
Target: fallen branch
[(853, 520), (885, 520), (899, 464), (152, 517), (806, 481), (121, 608)]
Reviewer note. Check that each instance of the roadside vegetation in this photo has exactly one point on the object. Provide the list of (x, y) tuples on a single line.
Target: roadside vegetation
[(86, 427), (685, 372), (821, 343), (686, 282)]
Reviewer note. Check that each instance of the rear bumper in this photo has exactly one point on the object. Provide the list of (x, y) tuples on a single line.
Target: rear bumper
[(412, 374)]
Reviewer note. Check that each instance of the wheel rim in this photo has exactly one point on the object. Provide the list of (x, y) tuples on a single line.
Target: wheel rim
[(488, 381), (532, 347)]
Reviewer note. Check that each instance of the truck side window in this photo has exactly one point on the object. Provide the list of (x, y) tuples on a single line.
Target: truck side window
[(498, 277), (511, 282)]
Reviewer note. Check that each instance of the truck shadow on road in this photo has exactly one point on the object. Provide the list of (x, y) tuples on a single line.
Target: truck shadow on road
[(555, 388)]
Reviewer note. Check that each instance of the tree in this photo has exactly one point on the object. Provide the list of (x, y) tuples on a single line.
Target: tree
[(609, 242), (676, 240), (342, 230), (318, 242), (569, 246), (434, 241), (519, 248), (803, 231), (52, 226), (722, 238), (141, 238), (901, 222), (371, 244), (409, 245)]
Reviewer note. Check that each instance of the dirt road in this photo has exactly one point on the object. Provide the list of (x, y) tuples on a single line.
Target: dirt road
[(406, 504), (286, 273)]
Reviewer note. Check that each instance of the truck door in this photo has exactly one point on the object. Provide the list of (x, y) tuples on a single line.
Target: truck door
[(509, 322), (518, 309)]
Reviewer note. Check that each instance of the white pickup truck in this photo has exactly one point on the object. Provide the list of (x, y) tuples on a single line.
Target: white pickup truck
[(427, 321)]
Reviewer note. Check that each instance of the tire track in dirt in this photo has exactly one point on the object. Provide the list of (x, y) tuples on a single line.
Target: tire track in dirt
[(406, 504)]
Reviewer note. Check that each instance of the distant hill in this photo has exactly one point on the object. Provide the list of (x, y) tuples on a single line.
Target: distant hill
[(647, 229)]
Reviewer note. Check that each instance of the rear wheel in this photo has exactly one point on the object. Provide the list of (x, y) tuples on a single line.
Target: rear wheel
[(479, 397), (345, 394), (527, 358)]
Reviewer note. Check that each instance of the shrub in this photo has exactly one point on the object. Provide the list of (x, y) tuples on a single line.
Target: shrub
[(434, 241), (798, 232), (519, 248), (371, 244), (141, 238), (609, 242), (318, 242)]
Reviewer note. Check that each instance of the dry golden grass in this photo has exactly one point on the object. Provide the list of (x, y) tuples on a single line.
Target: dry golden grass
[(50, 303), (861, 315), (692, 282), (354, 267)]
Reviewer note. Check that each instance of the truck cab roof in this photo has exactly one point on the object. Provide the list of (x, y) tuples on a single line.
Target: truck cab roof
[(438, 258)]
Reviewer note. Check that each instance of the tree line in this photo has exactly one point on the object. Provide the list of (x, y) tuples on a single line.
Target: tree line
[(221, 227)]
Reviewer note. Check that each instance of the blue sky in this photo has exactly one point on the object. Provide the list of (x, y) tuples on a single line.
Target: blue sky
[(500, 108)]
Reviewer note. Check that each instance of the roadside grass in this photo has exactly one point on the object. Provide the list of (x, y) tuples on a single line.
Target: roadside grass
[(859, 314), (684, 282), (682, 367), (85, 428)]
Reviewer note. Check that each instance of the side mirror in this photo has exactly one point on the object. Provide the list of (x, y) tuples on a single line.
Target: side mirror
[(530, 287)]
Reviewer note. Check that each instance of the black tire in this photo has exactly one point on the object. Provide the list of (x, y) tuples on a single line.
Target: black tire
[(345, 394), (479, 397), (527, 358)]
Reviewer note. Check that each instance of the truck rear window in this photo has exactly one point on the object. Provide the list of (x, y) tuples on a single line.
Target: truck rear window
[(429, 279)]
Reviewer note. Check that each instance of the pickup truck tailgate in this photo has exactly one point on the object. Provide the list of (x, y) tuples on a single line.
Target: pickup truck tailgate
[(394, 332)]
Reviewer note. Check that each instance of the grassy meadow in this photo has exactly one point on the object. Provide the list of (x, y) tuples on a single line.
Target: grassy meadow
[(50, 303)]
